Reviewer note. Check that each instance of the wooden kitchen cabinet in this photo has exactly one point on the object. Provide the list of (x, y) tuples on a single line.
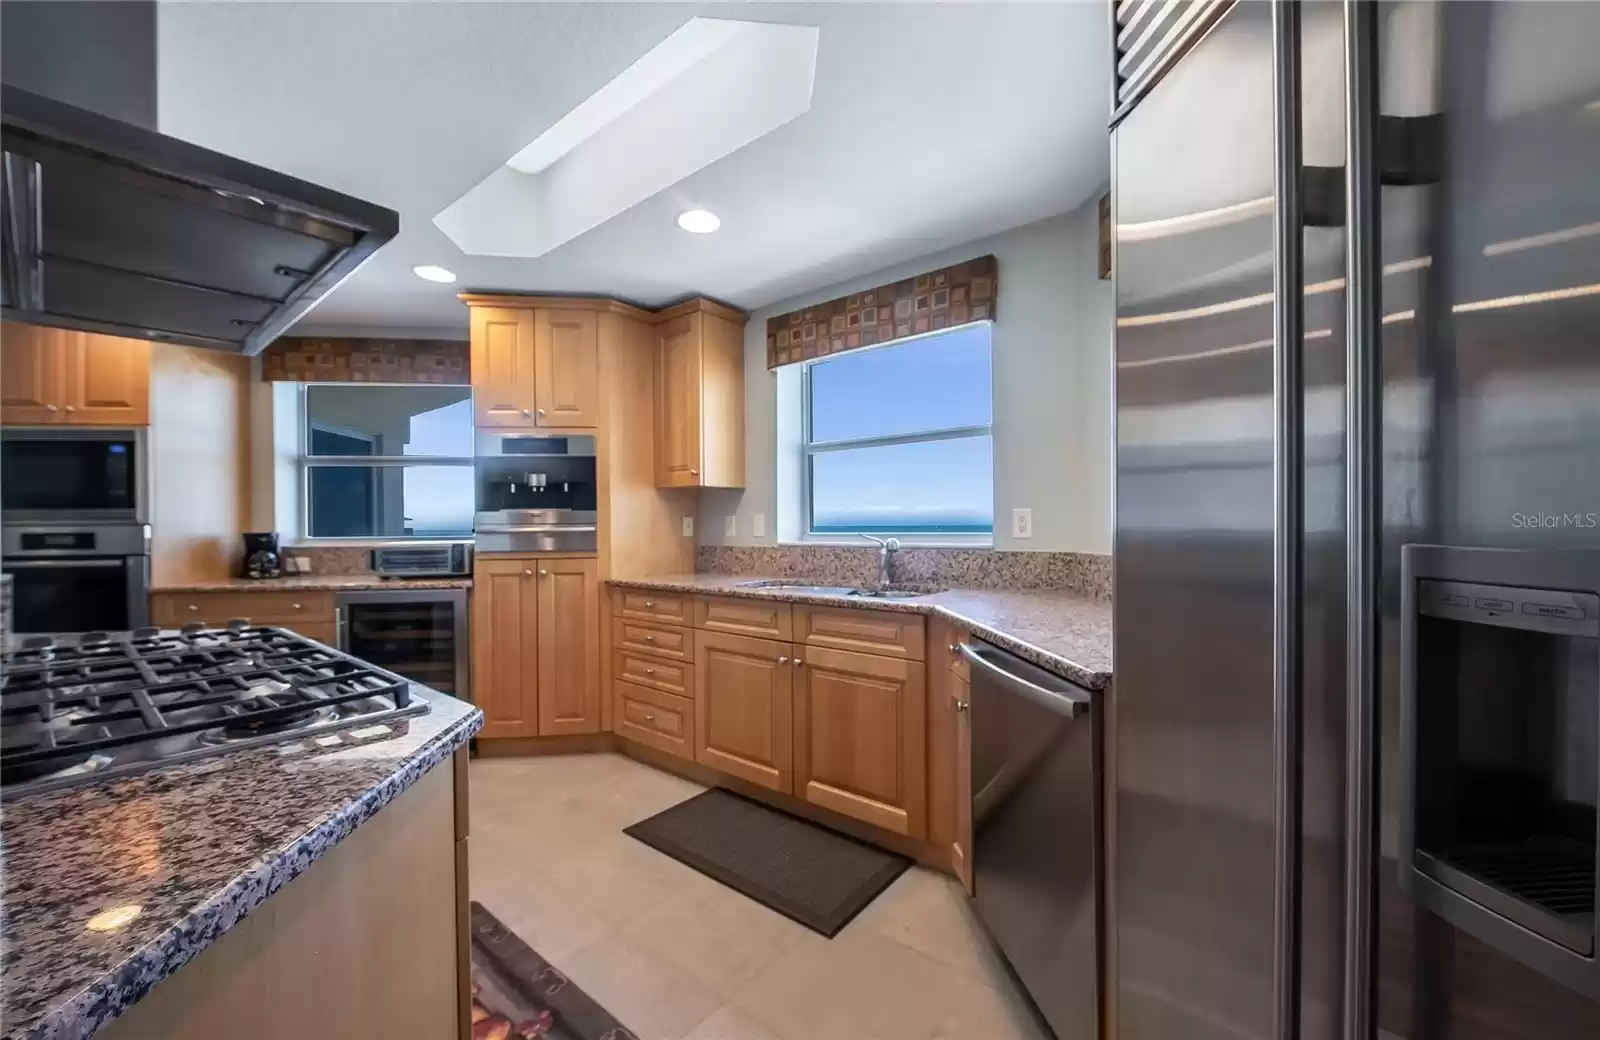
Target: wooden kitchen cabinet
[(566, 353), (860, 738), (569, 645), (536, 645), (504, 393), (309, 612), (960, 706), (700, 397), (505, 638), (54, 376), (744, 708)]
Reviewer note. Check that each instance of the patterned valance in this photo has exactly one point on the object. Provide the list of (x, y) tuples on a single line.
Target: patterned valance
[(294, 359), (939, 299)]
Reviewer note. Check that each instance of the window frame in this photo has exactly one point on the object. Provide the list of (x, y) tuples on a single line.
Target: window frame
[(305, 462), (809, 449)]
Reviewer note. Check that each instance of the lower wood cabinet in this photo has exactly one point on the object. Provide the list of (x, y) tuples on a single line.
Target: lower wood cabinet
[(536, 645), (961, 845), (744, 708), (664, 721), (307, 612), (860, 738)]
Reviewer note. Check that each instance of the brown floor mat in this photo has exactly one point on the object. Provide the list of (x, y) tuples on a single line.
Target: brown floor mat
[(518, 995), (808, 873)]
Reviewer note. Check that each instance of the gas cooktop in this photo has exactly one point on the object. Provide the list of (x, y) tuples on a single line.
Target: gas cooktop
[(78, 709)]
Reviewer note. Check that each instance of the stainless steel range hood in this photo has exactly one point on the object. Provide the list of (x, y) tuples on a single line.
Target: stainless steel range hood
[(111, 226)]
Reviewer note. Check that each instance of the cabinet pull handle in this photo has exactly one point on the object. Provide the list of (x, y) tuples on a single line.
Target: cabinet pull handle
[(525, 411), (50, 408), (649, 639), (649, 603), (539, 411), (694, 473), (194, 606), (72, 407), (955, 649), (649, 717), (797, 662), (783, 660), (295, 606), (961, 707), (527, 573), (649, 671)]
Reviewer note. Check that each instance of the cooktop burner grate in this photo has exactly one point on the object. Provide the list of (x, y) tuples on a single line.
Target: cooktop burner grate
[(65, 704)]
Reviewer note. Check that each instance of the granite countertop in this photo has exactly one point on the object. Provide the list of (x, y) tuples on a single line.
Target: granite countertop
[(1065, 632), (196, 847), (314, 583)]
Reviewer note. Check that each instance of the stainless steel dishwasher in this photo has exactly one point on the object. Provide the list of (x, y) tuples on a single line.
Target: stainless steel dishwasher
[(1036, 832)]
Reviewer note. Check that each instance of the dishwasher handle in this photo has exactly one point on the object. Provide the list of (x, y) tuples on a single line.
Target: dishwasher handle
[(1069, 701)]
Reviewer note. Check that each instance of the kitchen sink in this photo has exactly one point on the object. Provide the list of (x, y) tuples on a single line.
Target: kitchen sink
[(834, 590)]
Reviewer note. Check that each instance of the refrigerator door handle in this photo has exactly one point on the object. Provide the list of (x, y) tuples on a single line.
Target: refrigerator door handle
[(339, 634), (1363, 457), (1288, 467)]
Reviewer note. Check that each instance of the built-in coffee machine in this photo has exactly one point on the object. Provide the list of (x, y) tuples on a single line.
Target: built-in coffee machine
[(536, 493)]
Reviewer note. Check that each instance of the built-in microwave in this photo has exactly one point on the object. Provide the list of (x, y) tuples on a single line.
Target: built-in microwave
[(73, 475)]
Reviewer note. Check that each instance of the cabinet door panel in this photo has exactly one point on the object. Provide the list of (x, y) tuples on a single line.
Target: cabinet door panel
[(887, 632), (744, 709), (860, 738), (502, 366), (764, 619), (661, 720), (505, 630), (31, 360), (678, 403), (107, 381), (569, 646), (961, 846), (567, 368)]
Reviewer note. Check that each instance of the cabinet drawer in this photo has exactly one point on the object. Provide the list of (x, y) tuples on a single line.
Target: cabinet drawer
[(262, 608), (660, 720), (669, 676), (765, 619), (889, 633), (644, 605), (658, 640)]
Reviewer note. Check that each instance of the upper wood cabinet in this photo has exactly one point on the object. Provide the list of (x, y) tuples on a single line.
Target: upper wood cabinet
[(536, 645), (744, 709), (63, 376), (566, 352), (503, 390), (699, 399), (860, 742), (535, 367), (569, 645)]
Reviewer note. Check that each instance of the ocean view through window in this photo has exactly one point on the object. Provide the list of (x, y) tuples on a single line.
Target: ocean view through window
[(898, 438)]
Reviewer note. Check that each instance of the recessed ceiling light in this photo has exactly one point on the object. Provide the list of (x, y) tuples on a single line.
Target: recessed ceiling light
[(699, 221), (432, 273)]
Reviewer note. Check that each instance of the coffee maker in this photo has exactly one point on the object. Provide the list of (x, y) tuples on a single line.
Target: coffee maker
[(261, 559)]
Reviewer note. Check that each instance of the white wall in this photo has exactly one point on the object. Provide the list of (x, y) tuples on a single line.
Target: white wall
[(1052, 386)]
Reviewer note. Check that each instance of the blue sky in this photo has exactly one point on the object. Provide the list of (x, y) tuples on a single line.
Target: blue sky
[(908, 387)]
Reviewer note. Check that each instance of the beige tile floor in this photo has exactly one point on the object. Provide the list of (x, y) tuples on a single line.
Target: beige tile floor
[(677, 956)]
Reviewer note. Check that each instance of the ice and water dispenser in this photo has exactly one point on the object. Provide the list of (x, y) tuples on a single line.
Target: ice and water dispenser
[(1500, 726)]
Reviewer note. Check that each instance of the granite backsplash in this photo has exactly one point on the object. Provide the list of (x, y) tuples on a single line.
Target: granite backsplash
[(1088, 574), (331, 559)]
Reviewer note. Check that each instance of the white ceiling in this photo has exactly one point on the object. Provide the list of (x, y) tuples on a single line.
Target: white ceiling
[(930, 125)]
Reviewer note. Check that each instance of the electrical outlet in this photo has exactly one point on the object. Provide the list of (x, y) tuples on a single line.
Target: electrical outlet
[(1022, 523), (688, 527), (758, 525), (730, 525)]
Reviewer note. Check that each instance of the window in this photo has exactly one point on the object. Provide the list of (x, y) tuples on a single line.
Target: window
[(387, 461), (897, 438)]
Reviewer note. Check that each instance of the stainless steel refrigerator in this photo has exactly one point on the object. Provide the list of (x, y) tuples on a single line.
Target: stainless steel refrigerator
[(1354, 725)]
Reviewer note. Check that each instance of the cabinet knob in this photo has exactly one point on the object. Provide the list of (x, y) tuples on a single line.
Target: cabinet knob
[(543, 573), (961, 706), (649, 603), (694, 473), (527, 574), (72, 407), (50, 408), (783, 660), (194, 606), (955, 648), (649, 717), (539, 411), (649, 671), (295, 606), (526, 412), (797, 662), (649, 639)]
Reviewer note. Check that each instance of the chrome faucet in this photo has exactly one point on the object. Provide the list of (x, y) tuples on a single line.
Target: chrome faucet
[(886, 548)]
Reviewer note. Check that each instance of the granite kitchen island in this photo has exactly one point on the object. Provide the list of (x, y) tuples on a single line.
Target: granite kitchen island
[(289, 890)]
